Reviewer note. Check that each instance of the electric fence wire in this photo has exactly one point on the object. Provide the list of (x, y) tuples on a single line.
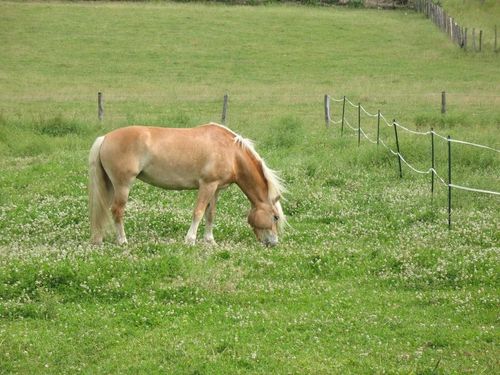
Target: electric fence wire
[(417, 132), (368, 113), (430, 170)]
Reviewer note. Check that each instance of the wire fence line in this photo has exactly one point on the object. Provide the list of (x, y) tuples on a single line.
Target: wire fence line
[(401, 159), (398, 154)]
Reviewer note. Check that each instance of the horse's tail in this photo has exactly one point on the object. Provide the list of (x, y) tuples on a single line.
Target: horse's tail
[(100, 194)]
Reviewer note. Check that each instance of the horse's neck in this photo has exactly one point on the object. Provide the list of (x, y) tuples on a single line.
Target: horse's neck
[(250, 178)]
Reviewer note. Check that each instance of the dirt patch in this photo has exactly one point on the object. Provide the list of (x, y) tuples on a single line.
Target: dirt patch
[(386, 4)]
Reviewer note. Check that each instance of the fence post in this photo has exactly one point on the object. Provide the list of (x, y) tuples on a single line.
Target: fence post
[(224, 109), (100, 106), (449, 182), (397, 147), (343, 116), (327, 111), (433, 160), (443, 102), (474, 39), (378, 127), (359, 123), (480, 39)]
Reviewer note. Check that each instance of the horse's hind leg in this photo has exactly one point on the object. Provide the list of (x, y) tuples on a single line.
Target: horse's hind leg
[(117, 209), (209, 220)]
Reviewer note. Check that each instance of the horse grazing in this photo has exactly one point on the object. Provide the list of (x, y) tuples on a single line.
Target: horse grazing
[(208, 158)]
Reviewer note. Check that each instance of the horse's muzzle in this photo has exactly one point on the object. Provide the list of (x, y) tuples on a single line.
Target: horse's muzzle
[(270, 242)]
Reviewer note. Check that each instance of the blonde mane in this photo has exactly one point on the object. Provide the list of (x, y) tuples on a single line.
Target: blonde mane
[(276, 186)]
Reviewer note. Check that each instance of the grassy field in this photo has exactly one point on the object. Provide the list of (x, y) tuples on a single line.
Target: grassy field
[(368, 279)]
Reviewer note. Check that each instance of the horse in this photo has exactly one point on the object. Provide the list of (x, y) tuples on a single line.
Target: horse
[(209, 158)]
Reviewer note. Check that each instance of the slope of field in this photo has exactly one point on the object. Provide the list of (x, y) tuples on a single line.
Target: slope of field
[(474, 13), (478, 15), (368, 278)]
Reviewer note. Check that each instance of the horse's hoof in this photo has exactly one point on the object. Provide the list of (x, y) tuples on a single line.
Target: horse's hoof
[(209, 242), (189, 241), (122, 241), (96, 241)]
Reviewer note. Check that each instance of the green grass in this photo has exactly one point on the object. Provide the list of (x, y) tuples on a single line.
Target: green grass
[(368, 279)]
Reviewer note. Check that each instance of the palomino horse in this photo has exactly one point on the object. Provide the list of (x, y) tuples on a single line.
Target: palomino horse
[(208, 158)]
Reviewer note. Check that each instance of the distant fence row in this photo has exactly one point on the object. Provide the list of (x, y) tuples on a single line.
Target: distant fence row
[(462, 36), (447, 182)]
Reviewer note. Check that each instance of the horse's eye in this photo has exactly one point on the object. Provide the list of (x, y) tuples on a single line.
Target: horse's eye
[(276, 217)]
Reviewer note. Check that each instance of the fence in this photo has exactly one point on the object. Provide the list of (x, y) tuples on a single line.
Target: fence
[(447, 24), (100, 107), (344, 122)]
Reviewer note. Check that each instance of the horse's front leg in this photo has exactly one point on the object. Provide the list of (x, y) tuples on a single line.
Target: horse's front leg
[(209, 220), (205, 194)]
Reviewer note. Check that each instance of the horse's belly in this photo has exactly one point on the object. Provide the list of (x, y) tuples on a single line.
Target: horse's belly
[(173, 167), (169, 180)]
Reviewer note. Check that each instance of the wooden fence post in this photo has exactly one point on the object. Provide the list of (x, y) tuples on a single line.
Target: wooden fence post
[(480, 39), (100, 106), (224, 109), (443, 102)]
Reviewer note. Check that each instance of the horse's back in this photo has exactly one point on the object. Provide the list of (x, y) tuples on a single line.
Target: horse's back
[(176, 158)]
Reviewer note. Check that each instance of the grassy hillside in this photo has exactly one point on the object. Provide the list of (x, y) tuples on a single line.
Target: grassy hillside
[(368, 279), (479, 15), (474, 13)]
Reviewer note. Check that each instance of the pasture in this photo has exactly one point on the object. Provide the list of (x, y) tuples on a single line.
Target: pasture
[(368, 278)]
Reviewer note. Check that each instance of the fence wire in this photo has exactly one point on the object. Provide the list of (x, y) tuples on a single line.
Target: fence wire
[(400, 156)]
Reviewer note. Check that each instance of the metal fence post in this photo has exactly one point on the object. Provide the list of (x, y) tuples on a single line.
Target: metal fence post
[(433, 159), (343, 117), (378, 128), (449, 182), (359, 124), (327, 111), (397, 147)]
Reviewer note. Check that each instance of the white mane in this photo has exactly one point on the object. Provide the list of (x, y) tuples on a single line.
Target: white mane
[(276, 187)]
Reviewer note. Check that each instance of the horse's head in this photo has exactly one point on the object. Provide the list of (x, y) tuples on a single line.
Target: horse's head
[(267, 221)]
